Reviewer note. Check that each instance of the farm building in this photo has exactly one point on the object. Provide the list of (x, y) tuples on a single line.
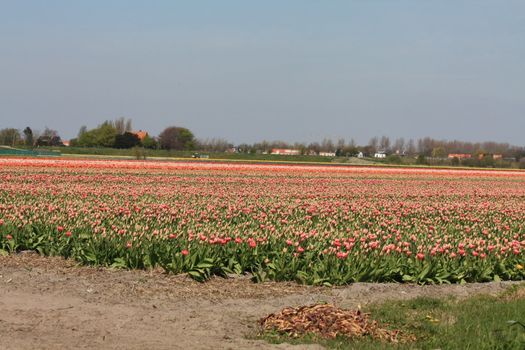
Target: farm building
[(494, 156), (140, 134), (459, 155), (286, 151)]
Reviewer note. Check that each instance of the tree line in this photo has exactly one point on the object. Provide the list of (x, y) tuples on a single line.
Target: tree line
[(116, 133), (13, 137), (426, 146), (119, 133)]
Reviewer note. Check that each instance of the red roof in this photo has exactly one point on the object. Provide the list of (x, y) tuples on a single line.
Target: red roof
[(140, 134)]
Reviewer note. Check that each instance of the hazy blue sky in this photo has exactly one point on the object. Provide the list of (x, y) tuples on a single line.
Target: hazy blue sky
[(251, 70)]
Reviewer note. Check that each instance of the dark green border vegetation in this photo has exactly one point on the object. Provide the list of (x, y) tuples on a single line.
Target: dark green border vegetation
[(161, 154)]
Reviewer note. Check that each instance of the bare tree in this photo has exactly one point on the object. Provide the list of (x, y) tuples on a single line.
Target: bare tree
[(384, 144), (327, 145), (119, 124), (128, 127), (314, 147), (9, 136), (49, 132), (300, 146), (122, 125), (399, 146), (411, 147), (214, 145), (341, 144), (82, 131), (373, 144)]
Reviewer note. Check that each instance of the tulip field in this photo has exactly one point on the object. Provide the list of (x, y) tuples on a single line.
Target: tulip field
[(320, 225)]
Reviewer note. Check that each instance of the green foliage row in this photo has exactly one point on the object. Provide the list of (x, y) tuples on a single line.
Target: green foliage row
[(269, 261)]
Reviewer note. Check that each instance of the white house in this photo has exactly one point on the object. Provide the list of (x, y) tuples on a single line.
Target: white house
[(380, 154), (327, 154)]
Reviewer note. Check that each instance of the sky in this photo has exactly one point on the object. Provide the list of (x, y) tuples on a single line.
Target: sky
[(246, 71)]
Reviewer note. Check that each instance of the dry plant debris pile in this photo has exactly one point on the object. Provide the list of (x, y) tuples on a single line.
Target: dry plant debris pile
[(328, 321)]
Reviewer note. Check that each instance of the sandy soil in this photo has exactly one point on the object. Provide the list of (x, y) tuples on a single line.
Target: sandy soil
[(51, 303)]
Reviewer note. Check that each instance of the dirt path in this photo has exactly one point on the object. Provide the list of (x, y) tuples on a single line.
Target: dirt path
[(50, 303)]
